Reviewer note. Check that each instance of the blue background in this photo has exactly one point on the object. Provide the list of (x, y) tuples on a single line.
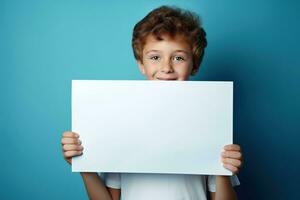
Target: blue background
[(46, 44)]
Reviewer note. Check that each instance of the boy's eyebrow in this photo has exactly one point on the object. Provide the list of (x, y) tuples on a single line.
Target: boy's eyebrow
[(179, 50), (153, 51)]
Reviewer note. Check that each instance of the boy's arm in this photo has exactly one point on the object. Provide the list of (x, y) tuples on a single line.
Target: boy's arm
[(224, 189), (115, 193), (232, 160), (71, 147), (96, 189)]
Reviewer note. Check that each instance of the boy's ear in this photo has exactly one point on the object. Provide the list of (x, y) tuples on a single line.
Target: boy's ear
[(141, 67), (195, 69), (194, 72)]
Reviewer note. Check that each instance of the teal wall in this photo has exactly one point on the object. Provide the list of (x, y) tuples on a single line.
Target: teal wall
[(46, 44)]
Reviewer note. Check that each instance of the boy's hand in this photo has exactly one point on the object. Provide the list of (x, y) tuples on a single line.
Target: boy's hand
[(71, 146), (232, 158)]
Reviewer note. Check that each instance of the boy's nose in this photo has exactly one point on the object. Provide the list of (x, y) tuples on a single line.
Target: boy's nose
[(167, 68)]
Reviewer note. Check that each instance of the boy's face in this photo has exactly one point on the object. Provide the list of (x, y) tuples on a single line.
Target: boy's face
[(167, 59)]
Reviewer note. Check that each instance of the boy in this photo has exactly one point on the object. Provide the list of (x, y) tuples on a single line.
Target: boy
[(168, 44)]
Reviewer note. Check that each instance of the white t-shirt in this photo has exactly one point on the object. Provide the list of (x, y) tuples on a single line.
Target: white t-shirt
[(162, 186)]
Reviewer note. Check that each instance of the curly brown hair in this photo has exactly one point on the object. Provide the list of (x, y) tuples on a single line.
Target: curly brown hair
[(171, 21)]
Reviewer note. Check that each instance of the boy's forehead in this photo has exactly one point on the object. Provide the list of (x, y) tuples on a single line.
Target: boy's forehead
[(177, 40), (166, 37)]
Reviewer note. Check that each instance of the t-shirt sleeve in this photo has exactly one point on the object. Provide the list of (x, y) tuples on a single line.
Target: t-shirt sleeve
[(112, 180), (211, 182)]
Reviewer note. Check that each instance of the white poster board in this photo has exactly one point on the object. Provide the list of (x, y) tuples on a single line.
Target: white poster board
[(152, 126)]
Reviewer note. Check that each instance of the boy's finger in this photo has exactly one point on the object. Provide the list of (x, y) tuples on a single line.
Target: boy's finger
[(233, 169), (232, 154), (72, 147), (232, 147), (70, 141), (69, 154), (233, 162), (70, 134)]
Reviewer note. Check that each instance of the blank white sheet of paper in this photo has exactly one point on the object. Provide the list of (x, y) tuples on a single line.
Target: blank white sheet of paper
[(152, 126)]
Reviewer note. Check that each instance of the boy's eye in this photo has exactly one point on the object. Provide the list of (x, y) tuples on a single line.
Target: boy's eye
[(178, 58), (154, 57)]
